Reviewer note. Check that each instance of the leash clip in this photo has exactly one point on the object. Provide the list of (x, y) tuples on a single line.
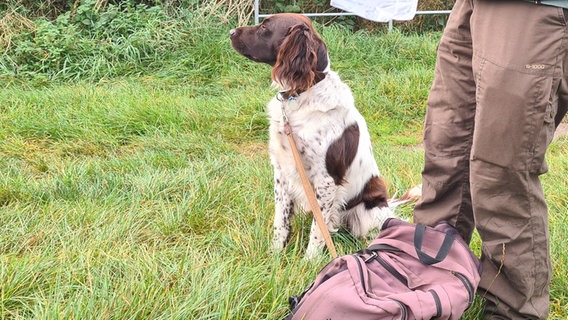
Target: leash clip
[(284, 102), (287, 127), (284, 116)]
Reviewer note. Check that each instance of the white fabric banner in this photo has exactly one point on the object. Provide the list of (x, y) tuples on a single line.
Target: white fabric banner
[(379, 10)]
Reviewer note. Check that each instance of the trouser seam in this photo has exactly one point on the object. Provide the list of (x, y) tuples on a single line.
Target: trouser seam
[(466, 185)]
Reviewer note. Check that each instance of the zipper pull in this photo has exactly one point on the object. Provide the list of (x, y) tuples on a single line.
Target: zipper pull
[(371, 257)]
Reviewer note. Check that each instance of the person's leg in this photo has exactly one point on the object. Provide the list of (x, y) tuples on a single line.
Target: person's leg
[(562, 99), (448, 129), (518, 61)]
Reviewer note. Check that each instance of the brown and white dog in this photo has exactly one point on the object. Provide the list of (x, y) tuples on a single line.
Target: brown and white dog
[(331, 135)]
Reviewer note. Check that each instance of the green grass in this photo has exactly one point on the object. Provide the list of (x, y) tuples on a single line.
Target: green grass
[(148, 195)]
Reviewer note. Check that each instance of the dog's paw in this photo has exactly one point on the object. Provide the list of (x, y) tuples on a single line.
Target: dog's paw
[(315, 248), (312, 255), (278, 244)]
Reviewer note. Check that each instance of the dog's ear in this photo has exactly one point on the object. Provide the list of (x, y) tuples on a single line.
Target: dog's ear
[(300, 56), (323, 59)]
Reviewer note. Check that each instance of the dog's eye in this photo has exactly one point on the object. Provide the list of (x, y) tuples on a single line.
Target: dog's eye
[(262, 30)]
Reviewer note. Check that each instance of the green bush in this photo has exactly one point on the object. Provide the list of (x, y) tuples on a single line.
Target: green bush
[(53, 8), (89, 43), (101, 39), (98, 39)]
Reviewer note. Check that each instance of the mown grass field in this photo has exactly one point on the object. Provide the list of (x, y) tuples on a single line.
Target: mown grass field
[(148, 194)]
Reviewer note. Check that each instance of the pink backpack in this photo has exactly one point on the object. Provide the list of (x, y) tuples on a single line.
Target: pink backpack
[(408, 272)]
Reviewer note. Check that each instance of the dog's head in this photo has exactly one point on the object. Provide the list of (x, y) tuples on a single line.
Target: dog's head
[(290, 44)]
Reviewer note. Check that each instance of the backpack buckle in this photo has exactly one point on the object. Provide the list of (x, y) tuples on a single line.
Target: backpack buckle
[(293, 301)]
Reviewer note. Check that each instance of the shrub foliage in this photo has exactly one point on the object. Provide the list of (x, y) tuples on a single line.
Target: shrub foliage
[(98, 39)]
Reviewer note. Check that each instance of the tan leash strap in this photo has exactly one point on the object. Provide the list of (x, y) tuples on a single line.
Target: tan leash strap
[(308, 189)]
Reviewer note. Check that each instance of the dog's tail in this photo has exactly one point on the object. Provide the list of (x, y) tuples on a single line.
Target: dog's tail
[(410, 196)]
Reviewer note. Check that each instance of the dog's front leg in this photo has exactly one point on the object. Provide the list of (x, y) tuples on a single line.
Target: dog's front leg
[(284, 207), (326, 195), (316, 242)]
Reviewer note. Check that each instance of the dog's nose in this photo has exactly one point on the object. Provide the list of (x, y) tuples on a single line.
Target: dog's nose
[(232, 32)]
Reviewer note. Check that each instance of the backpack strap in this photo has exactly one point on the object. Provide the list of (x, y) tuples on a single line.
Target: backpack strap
[(442, 252)]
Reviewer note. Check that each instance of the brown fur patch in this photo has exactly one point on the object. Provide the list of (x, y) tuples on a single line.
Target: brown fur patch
[(374, 195), (341, 153)]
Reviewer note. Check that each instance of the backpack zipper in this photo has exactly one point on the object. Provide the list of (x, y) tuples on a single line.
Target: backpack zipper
[(361, 275), (437, 302), (389, 268), (401, 305), (467, 285)]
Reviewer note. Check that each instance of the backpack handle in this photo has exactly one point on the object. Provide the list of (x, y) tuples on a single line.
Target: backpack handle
[(442, 252)]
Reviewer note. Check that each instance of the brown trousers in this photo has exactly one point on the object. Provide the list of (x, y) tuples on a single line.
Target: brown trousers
[(499, 81)]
